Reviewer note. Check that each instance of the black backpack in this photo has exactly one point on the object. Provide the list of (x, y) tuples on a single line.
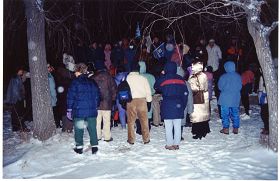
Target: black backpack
[(124, 93)]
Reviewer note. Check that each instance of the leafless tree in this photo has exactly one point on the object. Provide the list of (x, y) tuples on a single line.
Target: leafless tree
[(44, 125)]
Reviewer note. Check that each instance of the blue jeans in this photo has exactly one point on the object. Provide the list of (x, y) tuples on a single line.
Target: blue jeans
[(230, 112), (169, 124), (122, 114), (79, 123)]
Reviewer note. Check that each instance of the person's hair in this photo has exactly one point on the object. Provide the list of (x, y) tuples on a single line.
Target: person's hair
[(90, 67), (81, 67)]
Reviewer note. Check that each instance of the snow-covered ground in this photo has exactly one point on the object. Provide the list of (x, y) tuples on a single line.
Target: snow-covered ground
[(217, 156)]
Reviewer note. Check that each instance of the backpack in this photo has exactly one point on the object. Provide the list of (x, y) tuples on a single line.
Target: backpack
[(124, 93)]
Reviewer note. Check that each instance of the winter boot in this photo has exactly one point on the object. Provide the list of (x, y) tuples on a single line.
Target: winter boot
[(225, 131), (169, 147), (94, 150), (235, 130), (78, 150)]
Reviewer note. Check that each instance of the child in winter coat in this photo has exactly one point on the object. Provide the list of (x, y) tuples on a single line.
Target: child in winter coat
[(209, 74), (230, 85)]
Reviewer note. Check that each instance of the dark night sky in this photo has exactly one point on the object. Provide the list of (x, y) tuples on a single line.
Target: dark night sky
[(106, 21)]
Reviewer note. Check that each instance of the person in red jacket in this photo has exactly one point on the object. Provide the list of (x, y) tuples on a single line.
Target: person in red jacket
[(247, 84)]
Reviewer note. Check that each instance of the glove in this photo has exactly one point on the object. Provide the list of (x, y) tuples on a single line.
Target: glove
[(149, 104), (69, 114)]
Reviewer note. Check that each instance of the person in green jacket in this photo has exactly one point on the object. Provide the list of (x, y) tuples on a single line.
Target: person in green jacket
[(151, 80)]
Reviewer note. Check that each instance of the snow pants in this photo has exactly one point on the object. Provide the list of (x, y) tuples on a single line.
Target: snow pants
[(105, 116), (230, 112), (90, 123), (137, 108), (169, 125)]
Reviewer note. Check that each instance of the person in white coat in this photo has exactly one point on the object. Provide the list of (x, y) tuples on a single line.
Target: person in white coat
[(214, 55)]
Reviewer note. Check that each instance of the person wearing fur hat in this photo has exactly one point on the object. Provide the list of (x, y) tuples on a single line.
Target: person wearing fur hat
[(83, 99), (108, 88), (201, 115)]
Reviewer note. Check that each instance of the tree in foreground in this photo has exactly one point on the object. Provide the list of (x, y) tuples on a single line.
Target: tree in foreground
[(44, 125)]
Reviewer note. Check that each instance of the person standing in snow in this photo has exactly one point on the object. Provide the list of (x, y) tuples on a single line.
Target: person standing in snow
[(214, 55), (151, 80), (247, 86), (121, 76), (63, 76), (140, 104), (201, 115), (230, 85), (175, 95), (108, 89), (189, 108), (53, 95), (15, 96), (209, 74), (83, 99), (264, 106)]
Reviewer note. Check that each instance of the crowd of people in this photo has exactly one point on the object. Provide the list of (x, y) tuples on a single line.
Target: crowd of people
[(140, 84)]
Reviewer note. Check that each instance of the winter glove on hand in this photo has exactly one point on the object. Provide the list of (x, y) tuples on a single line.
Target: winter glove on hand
[(149, 104), (69, 114)]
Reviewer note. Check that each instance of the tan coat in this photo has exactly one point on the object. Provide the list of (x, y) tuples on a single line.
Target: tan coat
[(201, 111)]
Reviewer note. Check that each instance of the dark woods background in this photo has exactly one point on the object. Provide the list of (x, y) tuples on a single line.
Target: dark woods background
[(69, 22)]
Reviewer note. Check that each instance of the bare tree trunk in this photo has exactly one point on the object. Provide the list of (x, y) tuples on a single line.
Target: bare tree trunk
[(261, 40), (44, 125)]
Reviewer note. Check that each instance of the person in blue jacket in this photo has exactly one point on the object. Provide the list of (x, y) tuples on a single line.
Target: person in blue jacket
[(230, 85), (121, 76), (175, 96), (83, 99)]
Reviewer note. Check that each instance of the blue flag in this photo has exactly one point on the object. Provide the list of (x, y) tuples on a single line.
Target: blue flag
[(159, 52), (138, 32)]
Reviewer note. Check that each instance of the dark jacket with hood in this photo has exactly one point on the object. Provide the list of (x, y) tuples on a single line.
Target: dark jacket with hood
[(174, 92), (230, 85)]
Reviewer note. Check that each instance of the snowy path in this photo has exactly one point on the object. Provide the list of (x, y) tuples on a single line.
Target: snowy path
[(217, 156)]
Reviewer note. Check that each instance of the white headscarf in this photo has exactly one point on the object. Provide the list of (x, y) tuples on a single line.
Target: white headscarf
[(197, 67)]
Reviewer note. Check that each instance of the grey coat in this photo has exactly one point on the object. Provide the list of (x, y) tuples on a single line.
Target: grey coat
[(15, 91)]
